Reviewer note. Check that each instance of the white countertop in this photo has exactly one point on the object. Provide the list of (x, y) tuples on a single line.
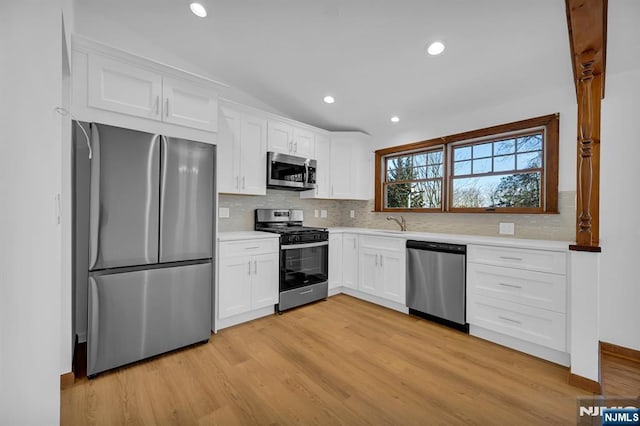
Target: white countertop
[(246, 235), (461, 239)]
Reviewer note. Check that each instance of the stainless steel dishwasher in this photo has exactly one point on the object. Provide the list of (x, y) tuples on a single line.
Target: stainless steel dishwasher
[(436, 281)]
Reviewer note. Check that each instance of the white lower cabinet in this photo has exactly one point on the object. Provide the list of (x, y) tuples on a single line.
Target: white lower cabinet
[(247, 280), (350, 260), (520, 294), (335, 261), (382, 267)]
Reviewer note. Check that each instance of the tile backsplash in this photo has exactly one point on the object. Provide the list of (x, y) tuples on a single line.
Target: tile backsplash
[(536, 226)]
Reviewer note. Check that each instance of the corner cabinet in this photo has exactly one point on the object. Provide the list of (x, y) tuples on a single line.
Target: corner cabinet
[(247, 280), (242, 155), (118, 86), (343, 169)]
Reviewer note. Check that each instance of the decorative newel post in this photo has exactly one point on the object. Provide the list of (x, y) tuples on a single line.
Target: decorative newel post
[(587, 34)]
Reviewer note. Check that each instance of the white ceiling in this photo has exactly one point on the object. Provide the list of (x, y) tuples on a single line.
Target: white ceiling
[(369, 54)]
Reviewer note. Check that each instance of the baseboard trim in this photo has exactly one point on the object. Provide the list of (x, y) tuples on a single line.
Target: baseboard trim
[(620, 351), (584, 383), (67, 380)]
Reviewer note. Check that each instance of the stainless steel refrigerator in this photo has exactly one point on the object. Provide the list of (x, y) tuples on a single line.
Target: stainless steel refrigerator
[(148, 248)]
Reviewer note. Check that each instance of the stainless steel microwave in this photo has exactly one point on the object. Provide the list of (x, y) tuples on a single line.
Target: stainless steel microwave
[(290, 172)]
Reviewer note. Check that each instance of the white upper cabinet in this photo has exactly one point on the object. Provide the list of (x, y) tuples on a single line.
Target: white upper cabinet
[(129, 87), (189, 104), (303, 143), (343, 170), (291, 140), (124, 88), (242, 156), (280, 137)]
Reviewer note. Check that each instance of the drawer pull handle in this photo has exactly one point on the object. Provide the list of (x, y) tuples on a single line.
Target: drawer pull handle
[(510, 285), (511, 258), (252, 248), (510, 320), (306, 292)]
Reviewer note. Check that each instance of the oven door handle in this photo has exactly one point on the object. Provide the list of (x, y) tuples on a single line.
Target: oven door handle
[(301, 246)]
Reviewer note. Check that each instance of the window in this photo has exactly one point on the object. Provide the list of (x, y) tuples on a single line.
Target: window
[(511, 168)]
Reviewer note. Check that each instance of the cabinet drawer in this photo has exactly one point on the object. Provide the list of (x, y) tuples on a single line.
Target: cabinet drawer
[(536, 289), (386, 243), (535, 325), (248, 247), (534, 260)]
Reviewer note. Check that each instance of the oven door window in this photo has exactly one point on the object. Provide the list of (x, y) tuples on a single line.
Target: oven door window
[(304, 266)]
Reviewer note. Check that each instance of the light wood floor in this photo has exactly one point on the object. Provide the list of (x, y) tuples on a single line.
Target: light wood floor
[(342, 362)]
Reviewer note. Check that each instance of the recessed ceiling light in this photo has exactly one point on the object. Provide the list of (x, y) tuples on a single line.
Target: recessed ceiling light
[(395, 119), (435, 48), (329, 99), (198, 9)]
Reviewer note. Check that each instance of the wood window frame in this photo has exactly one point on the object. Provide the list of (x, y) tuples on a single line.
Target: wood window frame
[(549, 190), (432, 148)]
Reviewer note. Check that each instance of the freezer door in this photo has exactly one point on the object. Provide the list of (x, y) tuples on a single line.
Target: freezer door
[(135, 315), (186, 200), (123, 229)]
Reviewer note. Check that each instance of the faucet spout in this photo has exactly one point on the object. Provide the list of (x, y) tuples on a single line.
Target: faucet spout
[(402, 222)]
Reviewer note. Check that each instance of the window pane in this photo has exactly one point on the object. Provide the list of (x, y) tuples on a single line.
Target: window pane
[(420, 159), (516, 190), (473, 192), (419, 173), (426, 194), (504, 163), (397, 195), (530, 143), (434, 157), (391, 175), (529, 160), (482, 166), (434, 171), (462, 168), (463, 153), (505, 147), (482, 150)]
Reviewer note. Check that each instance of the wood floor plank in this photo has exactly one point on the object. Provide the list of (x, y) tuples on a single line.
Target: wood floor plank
[(339, 362)]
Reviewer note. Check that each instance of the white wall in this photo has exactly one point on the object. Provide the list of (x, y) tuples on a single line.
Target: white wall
[(619, 225), (30, 175)]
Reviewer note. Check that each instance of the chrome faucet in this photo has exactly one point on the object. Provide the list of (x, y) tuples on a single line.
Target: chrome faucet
[(401, 222)]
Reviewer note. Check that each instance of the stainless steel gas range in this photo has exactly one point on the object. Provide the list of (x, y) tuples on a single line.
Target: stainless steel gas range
[(304, 256)]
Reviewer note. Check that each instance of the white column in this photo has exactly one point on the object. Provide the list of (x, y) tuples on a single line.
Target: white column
[(584, 332)]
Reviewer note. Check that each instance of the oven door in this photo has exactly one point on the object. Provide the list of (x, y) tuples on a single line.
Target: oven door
[(303, 264)]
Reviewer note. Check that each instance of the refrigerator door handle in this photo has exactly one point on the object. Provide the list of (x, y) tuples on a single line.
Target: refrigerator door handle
[(94, 202), (93, 324)]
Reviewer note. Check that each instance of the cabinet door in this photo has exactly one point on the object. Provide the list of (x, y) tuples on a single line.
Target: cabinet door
[(323, 167), (335, 260), (280, 137), (124, 88), (228, 164), (393, 283), (341, 170), (234, 288), (264, 288), (189, 104), (349, 261), (254, 155), (369, 270), (303, 143)]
